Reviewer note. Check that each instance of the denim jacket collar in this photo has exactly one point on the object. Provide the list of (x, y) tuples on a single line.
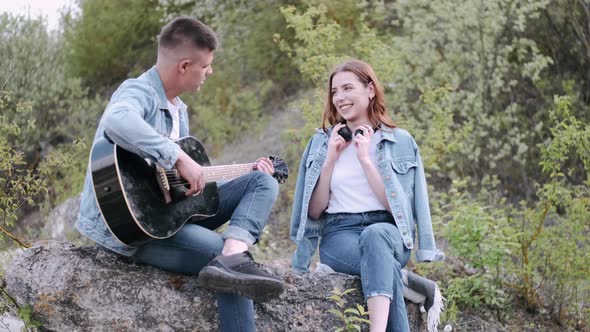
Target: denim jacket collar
[(387, 134), (156, 83)]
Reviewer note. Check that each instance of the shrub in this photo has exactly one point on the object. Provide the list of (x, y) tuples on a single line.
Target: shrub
[(22, 186), (110, 40), (62, 111)]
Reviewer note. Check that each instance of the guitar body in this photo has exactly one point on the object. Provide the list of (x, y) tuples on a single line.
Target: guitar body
[(131, 201)]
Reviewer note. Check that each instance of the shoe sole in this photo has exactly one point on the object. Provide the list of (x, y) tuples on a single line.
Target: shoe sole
[(259, 289)]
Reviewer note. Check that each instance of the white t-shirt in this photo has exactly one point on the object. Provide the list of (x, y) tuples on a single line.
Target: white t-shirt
[(174, 110), (349, 188)]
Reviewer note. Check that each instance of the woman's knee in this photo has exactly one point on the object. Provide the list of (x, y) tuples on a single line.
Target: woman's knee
[(385, 237), (340, 262), (380, 233), (341, 253)]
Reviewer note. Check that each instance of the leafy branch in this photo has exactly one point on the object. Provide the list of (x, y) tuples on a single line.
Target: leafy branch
[(351, 318)]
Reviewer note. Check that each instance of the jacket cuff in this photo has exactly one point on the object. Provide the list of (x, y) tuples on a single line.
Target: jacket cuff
[(168, 159), (423, 255), (302, 256)]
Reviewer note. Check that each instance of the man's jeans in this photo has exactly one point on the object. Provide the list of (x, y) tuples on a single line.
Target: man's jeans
[(370, 245), (246, 202)]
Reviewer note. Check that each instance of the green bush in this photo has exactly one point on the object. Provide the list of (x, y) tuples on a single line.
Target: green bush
[(62, 111), (555, 240), (533, 252), (111, 40), (22, 186), (478, 232)]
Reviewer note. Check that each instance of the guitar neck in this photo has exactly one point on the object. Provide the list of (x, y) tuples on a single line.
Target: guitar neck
[(227, 172)]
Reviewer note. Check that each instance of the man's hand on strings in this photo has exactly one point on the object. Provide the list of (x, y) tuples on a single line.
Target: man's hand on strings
[(264, 164), (192, 172)]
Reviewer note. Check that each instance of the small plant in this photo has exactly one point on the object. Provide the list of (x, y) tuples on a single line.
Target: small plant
[(26, 315), (352, 318)]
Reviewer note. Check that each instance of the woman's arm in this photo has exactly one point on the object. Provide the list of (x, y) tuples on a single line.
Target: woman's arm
[(427, 251), (375, 181), (321, 193), (371, 172)]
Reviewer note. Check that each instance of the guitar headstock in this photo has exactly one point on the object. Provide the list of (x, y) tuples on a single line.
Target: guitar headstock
[(281, 170)]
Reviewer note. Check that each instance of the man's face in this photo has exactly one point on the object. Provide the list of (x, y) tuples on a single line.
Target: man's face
[(195, 70)]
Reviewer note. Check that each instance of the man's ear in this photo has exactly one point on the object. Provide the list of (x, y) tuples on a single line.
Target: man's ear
[(183, 65)]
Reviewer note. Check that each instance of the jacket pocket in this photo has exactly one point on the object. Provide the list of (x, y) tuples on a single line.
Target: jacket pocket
[(403, 167), (404, 172)]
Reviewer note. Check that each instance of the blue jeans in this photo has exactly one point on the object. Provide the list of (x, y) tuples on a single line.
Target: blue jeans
[(246, 202), (370, 245)]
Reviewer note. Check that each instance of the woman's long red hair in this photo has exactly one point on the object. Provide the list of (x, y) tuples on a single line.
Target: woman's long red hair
[(376, 109)]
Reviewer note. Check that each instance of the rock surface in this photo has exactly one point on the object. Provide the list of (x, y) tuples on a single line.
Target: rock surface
[(89, 289)]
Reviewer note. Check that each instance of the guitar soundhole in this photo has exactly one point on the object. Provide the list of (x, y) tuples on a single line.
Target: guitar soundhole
[(178, 192), (181, 186)]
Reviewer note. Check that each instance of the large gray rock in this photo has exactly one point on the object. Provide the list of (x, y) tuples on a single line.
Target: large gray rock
[(88, 289)]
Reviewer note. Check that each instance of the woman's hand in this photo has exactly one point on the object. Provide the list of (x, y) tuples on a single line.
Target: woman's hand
[(321, 193), (363, 143), (336, 144)]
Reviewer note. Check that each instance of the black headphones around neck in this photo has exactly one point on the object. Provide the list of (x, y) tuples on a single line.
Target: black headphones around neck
[(346, 133)]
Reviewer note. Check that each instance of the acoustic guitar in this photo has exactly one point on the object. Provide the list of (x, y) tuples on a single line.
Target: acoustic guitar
[(140, 200)]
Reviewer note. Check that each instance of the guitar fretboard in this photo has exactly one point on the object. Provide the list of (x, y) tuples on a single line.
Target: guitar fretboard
[(227, 172)]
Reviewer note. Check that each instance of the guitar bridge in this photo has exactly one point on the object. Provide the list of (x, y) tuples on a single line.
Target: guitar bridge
[(162, 180)]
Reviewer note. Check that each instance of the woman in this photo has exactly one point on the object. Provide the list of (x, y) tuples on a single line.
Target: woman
[(362, 196)]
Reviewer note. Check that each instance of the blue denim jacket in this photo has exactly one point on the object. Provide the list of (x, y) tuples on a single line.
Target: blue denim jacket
[(138, 120), (400, 166)]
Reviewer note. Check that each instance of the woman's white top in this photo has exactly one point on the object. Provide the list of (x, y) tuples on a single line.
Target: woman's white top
[(349, 188), (174, 110)]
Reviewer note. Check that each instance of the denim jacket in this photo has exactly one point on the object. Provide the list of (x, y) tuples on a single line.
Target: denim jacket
[(400, 166), (138, 120)]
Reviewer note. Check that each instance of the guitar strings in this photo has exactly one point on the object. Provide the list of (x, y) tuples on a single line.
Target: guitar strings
[(213, 173)]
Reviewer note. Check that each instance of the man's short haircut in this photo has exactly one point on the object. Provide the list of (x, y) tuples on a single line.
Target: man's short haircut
[(183, 30)]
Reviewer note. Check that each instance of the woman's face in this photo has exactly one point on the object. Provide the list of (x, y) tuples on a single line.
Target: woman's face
[(350, 96)]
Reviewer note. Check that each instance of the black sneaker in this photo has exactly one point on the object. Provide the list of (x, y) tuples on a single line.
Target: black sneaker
[(239, 274)]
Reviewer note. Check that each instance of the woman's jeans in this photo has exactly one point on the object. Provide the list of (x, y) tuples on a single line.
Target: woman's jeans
[(246, 202), (370, 245)]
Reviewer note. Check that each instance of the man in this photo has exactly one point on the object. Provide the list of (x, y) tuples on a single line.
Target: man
[(143, 116)]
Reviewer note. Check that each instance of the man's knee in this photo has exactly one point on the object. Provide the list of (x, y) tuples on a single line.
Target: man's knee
[(267, 183)]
